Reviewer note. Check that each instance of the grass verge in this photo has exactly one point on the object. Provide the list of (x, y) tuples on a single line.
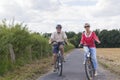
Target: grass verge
[(30, 71)]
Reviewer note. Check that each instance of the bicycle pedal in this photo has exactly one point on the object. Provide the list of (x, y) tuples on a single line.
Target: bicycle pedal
[(91, 78), (59, 64), (54, 70)]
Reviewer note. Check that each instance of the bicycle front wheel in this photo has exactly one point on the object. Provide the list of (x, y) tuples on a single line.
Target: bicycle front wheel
[(60, 66), (89, 69)]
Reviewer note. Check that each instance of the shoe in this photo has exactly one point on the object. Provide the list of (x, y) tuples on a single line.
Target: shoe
[(84, 62), (63, 60), (52, 64), (54, 70), (95, 73), (91, 78)]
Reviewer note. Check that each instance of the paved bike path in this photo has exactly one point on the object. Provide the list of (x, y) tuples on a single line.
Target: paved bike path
[(74, 69)]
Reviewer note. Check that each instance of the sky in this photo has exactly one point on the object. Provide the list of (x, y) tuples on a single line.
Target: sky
[(44, 15)]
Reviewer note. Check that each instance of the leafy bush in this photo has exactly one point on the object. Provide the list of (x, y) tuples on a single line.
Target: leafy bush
[(26, 46)]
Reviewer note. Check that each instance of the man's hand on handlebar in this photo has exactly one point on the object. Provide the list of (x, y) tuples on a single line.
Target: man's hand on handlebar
[(52, 42), (55, 42), (66, 43)]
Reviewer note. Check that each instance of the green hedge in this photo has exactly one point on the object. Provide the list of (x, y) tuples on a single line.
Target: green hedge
[(26, 46)]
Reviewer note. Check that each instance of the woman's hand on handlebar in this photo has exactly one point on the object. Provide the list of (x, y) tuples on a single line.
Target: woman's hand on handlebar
[(80, 45), (98, 42)]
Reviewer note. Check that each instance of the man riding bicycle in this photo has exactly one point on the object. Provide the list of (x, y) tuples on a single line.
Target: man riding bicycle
[(57, 39), (88, 41)]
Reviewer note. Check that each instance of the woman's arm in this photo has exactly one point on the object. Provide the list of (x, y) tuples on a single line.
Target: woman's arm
[(82, 39), (96, 37)]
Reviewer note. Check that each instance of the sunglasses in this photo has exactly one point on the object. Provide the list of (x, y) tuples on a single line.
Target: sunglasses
[(58, 28), (86, 26)]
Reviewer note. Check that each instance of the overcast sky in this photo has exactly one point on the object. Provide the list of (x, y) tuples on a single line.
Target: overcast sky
[(43, 15)]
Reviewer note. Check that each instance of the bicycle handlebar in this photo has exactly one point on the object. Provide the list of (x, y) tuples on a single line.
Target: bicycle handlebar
[(81, 45), (58, 42)]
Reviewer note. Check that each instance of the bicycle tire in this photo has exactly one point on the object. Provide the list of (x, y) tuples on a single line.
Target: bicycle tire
[(90, 72), (60, 66)]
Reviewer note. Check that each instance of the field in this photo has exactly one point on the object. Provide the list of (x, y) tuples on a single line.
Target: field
[(110, 58)]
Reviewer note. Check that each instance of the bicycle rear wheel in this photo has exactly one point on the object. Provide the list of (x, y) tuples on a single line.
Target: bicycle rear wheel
[(89, 69)]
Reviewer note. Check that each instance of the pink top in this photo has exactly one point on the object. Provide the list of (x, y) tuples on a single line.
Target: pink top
[(89, 40)]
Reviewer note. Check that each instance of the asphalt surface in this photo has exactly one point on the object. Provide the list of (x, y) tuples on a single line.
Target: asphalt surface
[(74, 69)]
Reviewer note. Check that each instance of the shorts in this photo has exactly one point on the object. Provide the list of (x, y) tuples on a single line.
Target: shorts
[(55, 48)]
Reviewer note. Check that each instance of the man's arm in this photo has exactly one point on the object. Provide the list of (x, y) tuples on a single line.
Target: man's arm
[(51, 38), (65, 37)]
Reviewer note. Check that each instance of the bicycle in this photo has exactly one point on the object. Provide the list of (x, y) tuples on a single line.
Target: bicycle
[(59, 61), (89, 68), (59, 64)]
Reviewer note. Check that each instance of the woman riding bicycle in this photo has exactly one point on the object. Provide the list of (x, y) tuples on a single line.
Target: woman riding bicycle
[(88, 41)]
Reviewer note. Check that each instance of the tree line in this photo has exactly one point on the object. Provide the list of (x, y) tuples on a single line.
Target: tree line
[(108, 38)]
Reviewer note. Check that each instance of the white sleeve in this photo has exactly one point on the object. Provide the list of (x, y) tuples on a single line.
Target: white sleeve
[(65, 36), (52, 36)]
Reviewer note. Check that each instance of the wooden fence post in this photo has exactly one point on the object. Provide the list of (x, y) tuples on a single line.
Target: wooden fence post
[(41, 53), (30, 52), (12, 54)]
